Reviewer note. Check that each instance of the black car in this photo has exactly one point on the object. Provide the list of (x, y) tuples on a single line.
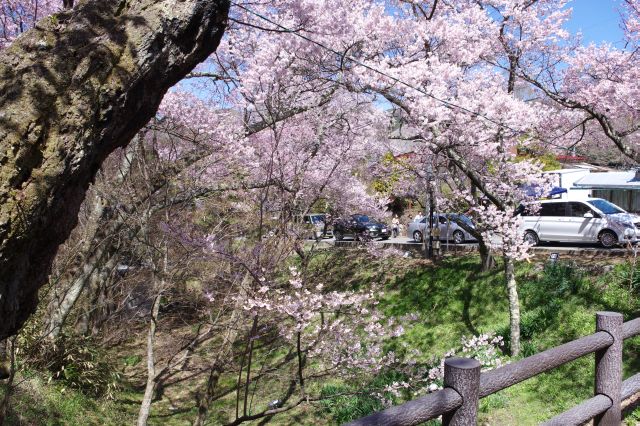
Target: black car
[(360, 227)]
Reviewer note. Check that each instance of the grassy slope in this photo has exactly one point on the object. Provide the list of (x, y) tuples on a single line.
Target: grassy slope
[(451, 300), (558, 305)]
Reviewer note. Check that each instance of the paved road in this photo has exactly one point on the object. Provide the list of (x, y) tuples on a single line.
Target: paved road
[(566, 248)]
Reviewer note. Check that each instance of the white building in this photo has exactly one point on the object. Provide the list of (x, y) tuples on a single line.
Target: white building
[(566, 178), (621, 188)]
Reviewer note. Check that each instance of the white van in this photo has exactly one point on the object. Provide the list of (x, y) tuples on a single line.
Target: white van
[(581, 221)]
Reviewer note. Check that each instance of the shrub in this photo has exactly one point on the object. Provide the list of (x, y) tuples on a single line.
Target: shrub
[(344, 406), (346, 403), (78, 362)]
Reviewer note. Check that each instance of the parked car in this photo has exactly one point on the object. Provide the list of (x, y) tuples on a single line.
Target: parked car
[(316, 224), (360, 226), (583, 221), (449, 229)]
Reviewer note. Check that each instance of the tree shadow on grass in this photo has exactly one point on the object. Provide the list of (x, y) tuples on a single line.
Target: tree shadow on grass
[(467, 295), (451, 299)]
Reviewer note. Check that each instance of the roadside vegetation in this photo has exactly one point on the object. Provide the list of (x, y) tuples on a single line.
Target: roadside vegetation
[(440, 304)]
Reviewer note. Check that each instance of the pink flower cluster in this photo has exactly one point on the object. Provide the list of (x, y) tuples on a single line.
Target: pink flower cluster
[(342, 329), (18, 16)]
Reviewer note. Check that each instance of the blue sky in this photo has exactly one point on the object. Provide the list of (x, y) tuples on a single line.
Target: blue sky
[(597, 19)]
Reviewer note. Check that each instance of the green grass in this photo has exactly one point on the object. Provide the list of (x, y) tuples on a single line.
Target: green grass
[(450, 300), (558, 304), (35, 401)]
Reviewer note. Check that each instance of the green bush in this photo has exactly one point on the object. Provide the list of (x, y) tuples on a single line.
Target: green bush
[(345, 403), (344, 408), (628, 276), (132, 360), (78, 362)]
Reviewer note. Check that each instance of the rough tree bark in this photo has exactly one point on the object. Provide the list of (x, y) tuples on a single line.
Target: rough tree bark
[(5, 362), (72, 90), (10, 349)]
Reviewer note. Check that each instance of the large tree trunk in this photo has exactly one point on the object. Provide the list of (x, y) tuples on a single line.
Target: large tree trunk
[(71, 91), (10, 352), (5, 362), (97, 249), (514, 304), (95, 310)]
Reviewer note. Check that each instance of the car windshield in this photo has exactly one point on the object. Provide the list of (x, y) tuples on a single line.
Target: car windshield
[(361, 218), (605, 206)]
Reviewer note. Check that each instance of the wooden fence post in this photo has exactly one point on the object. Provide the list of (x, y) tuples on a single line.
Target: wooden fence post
[(609, 368), (463, 375)]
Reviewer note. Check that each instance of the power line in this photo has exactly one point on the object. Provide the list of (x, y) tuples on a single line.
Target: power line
[(449, 104), (377, 71)]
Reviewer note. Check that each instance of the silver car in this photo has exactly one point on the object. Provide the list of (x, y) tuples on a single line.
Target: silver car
[(584, 221), (449, 229)]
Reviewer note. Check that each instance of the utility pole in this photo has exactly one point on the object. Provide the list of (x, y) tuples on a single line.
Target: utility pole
[(431, 212), (429, 209)]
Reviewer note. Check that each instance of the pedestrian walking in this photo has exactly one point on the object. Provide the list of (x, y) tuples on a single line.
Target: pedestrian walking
[(395, 226)]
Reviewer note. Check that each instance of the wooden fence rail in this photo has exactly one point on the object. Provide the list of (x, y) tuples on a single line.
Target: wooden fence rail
[(464, 384)]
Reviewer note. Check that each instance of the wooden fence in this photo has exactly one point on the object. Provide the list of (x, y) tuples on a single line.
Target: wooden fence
[(464, 384)]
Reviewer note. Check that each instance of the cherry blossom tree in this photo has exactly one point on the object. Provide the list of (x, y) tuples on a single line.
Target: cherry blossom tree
[(442, 66), (18, 16), (282, 171), (597, 83)]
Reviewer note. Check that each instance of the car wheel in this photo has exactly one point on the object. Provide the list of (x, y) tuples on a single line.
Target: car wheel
[(458, 237), (531, 238), (608, 239), (417, 236), (338, 235)]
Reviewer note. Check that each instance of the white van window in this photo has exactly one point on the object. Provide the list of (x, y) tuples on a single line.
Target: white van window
[(553, 209), (605, 206), (578, 209)]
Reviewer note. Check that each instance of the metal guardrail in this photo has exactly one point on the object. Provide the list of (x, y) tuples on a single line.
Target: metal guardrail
[(464, 384)]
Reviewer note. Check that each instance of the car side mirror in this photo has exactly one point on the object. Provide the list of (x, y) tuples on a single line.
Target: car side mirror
[(588, 215)]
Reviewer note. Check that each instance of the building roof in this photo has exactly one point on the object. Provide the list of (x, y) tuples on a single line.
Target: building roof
[(566, 171), (609, 180)]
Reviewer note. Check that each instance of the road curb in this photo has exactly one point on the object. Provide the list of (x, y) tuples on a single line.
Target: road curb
[(588, 252)]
